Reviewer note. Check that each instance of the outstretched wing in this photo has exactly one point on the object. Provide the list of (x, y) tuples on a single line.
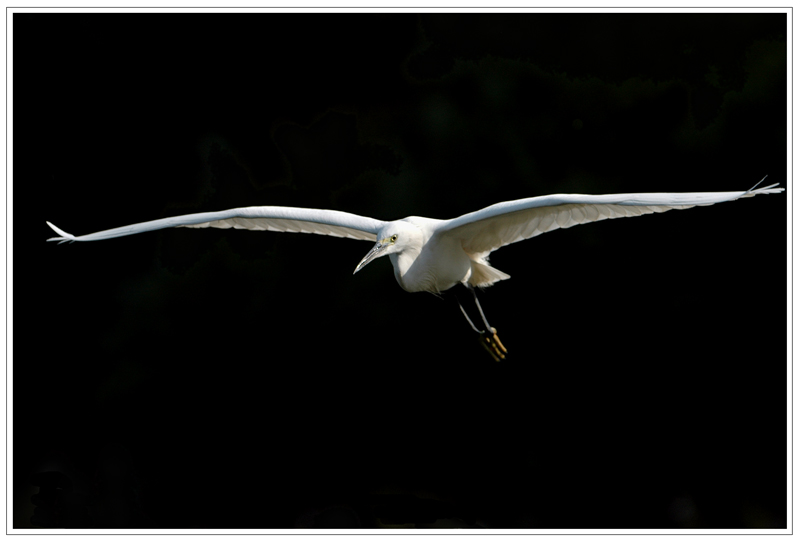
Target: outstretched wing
[(287, 219), (504, 223)]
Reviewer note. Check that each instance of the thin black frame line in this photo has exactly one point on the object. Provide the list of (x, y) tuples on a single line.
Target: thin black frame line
[(393, 7)]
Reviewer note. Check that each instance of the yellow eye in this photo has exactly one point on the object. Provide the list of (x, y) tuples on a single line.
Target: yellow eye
[(394, 238)]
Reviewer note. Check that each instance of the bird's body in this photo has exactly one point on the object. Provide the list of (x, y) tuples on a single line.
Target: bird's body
[(431, 263), (432, 255)]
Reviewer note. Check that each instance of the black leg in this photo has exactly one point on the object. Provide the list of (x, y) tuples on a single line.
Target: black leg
[(464, 299), (460, 306), (487, 334), (480, 310)]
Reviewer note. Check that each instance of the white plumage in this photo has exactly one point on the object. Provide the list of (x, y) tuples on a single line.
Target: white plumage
[(430, 255), (434, 255)]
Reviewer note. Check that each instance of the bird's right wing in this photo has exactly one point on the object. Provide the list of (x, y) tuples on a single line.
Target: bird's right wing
[(504, 223), (286, 219)]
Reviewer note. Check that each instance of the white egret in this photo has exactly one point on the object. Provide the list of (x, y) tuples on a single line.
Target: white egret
[(430, 255)]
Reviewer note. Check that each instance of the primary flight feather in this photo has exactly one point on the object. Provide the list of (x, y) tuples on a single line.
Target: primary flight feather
[(434, 255)]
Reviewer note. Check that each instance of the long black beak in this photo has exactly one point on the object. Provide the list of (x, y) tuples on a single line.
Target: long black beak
[(376, 252)]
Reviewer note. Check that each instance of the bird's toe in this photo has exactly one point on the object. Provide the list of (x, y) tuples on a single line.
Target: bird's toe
[(493, 345)]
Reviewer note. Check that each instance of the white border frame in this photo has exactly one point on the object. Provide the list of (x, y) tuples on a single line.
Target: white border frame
[(358, 7)]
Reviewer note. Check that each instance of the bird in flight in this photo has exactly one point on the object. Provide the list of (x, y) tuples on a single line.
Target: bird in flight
[(431, 255)]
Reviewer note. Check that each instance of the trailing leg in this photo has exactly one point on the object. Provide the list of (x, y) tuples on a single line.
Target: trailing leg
[(487, 334)]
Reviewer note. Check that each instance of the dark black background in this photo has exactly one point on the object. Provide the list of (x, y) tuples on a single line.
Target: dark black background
[(231, 379)]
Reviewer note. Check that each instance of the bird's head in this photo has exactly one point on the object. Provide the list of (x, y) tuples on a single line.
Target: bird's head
[(393, 238)]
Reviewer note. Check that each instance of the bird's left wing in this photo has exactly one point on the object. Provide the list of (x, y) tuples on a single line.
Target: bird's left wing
[(504, 223), (286, 219)]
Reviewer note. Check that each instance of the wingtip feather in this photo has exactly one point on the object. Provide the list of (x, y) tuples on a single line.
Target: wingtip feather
[(64, 236), (765, 190), (758, 183)]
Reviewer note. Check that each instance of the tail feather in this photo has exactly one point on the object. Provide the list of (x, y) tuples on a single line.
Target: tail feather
[(64, 235), (484, 275)]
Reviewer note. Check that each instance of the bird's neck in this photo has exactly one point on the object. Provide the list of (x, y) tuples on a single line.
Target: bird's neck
[(402, 263)]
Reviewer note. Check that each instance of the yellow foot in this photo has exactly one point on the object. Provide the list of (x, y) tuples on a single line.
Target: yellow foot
[(493, 345)]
